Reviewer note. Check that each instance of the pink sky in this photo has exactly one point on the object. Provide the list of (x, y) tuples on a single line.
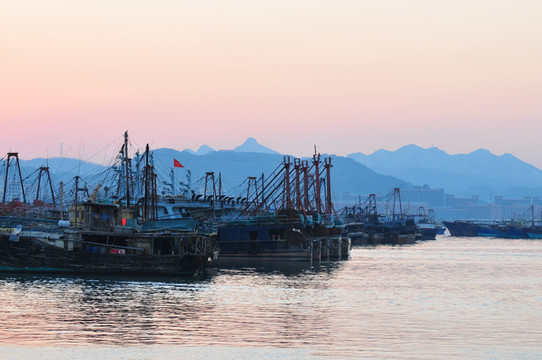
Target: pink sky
[(348, 76)]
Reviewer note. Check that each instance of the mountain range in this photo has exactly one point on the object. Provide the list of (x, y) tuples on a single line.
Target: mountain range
[(478, 173), (250, 145), (348, 176)]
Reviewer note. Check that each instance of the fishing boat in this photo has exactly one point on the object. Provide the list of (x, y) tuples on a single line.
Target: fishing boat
[(263, 241), (511, 229), (461, 228), (427, 231), (122, 235), (399, 233), (356, 233), (427, 227), (285, 220), (99, 252), (259, 241)]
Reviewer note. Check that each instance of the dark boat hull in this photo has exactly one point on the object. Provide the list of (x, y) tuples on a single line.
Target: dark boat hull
[(428, 233), (30, 254), (262, 242), (461, 228)]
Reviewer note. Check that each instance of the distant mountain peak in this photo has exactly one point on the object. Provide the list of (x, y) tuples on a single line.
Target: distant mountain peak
[(482, 152), (411, 147), (204, 149), (251, 145)]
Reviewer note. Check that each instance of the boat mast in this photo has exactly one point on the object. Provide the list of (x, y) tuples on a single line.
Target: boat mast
[(150, 208), (297, 167), (251, 180), (316, 162), (287, 202), (45, 169), (16, 156), (220, 185), (262, 179), (146, 195), (61, 200), (127, 168), (329, 205), (397, 196), (305, 168)]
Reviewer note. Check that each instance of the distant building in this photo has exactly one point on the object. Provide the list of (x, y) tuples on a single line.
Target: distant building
[(449, 207), (433, 197), (453, 202)]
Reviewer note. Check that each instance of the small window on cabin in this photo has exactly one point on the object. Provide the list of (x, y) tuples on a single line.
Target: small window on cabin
[(253, 235)]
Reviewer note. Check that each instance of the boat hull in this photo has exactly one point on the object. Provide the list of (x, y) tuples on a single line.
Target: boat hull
[(427, 233), (31, 254)]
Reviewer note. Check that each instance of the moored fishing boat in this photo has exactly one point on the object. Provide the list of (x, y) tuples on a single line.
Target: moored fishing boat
[(427, 231), (129, 253), (461, 228), (263, 242), (286, 219), (356, 233), (120, 235)]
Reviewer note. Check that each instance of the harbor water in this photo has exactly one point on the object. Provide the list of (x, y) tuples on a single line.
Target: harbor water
[(453, 298)]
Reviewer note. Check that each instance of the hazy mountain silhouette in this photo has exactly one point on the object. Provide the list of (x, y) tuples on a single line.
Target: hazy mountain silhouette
[(479, 172), (347, 175), (251, 145), (203, 149)]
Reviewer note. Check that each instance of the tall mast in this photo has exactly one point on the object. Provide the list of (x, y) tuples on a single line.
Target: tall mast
[(306, 201), (329, 205), (219, 184), (146, 195), (76, 190), (297, 167), (262, 192), (287, 189), (397, 197), (316, 162), (127, 168), (61, 200)]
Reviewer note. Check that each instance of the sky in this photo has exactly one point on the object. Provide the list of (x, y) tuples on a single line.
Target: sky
[(345, 75)]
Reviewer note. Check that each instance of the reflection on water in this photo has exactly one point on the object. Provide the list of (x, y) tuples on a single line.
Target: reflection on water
[(450, 298)]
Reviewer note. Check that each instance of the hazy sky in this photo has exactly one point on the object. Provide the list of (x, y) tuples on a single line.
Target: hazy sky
[(347, 76)]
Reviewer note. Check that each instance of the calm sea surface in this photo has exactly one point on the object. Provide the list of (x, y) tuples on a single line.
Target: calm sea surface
[(452, 298)]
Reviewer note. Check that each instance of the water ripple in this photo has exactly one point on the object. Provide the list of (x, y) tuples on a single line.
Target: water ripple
[(450, 298)]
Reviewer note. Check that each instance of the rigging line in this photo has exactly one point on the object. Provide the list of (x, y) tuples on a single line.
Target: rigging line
[(32, 173), (158, 161), (137, 147), (92, 156), (97, 170), (105, 148)]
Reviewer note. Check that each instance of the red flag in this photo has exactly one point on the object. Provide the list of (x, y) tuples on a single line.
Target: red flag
[(176, 163)]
